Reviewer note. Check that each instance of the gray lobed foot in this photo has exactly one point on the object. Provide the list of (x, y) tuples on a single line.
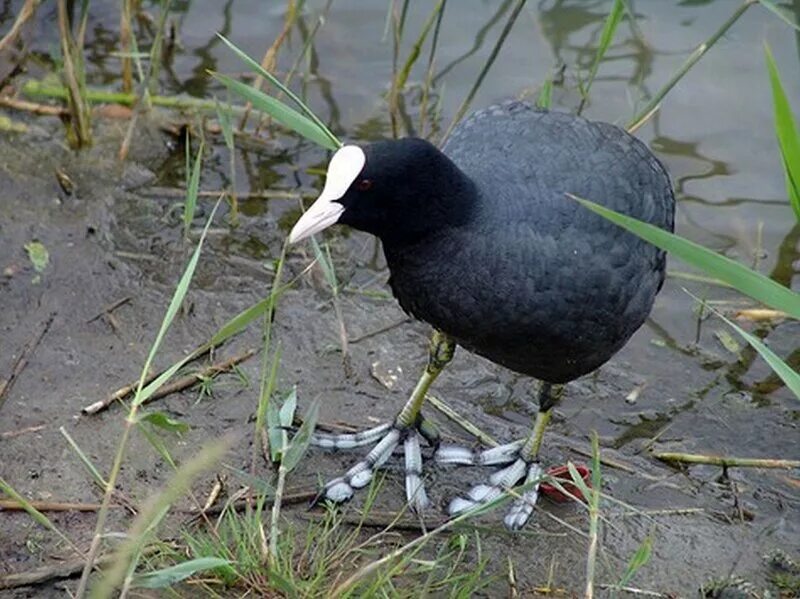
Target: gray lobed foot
[(516, 469), (388, 437)]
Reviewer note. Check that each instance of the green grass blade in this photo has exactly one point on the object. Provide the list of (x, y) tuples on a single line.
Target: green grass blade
[(779, 367), (172, 310), (772, 7), (638, 561), (37, 516), (162, 421), (747, 281), (279, 111), (786, 131), (416, 49), (98, 478), (166, 577), (302, 439), (258, 69), (239, 322), (224, 117), (192, 188), (606, 37), (323, 258), (545, 97)]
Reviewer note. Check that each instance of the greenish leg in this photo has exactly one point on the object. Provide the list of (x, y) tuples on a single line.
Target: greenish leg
[(549, 395), (441, 352)]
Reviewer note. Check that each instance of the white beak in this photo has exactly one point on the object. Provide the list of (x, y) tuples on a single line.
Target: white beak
[(345, 166)]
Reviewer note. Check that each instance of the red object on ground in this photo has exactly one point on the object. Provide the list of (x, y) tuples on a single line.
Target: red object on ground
[(565, 478)]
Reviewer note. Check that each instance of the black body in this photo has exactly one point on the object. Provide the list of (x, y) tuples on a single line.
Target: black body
[(483, 244)]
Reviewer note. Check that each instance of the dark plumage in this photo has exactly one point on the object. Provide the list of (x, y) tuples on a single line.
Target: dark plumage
[(489, 249)]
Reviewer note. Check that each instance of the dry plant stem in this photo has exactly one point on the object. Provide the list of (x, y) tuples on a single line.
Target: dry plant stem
[(22, 431), (462, 110), (110, 308), (634, 591), (695, 56), (117, 395), (26, 13), (191, 379), (40, 89), (125, 34), (22, 361), (725, 461), (460, 420), (77, 103), (176, 385), (102, 514), (52, 506), (65, 569), (293, 498), (276, 514), (591, 555), (177, 192), (426, 87)]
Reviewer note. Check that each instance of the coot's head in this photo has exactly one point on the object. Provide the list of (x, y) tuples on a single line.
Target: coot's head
[(397, 190)]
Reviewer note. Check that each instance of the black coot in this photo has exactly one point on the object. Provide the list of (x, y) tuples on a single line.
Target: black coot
[(483, 243)]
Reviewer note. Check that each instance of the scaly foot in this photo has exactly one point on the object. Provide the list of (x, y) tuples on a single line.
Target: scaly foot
[(388, 436), (518, 469)]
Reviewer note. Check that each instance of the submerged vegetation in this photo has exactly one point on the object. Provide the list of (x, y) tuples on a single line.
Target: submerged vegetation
[(241, 542)]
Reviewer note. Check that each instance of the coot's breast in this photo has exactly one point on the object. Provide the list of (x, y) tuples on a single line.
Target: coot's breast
[(534, 281)]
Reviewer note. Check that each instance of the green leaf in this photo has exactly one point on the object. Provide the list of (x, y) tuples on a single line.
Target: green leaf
[(742, 278), (225, 122), (606, 37), (286, 415), (416, 49), (638, 560), (98, 478), (302, 439), (326, 263), (37, 516), (161, 420), (278, 438), (786, 131), (175, 303), (192, 190), (578, 481), (278, 424), (258, 69), (544, 99), (278, 110), (166, 577), (38, 255), (771, 6), (779, 367), (240, 321)]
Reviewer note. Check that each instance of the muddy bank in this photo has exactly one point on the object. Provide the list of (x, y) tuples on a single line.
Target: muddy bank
[(115, 239)]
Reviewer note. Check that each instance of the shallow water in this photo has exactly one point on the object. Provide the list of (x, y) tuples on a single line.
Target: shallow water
[(714, 132)]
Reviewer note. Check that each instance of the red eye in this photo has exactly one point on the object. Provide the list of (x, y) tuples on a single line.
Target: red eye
[(365, 185)]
